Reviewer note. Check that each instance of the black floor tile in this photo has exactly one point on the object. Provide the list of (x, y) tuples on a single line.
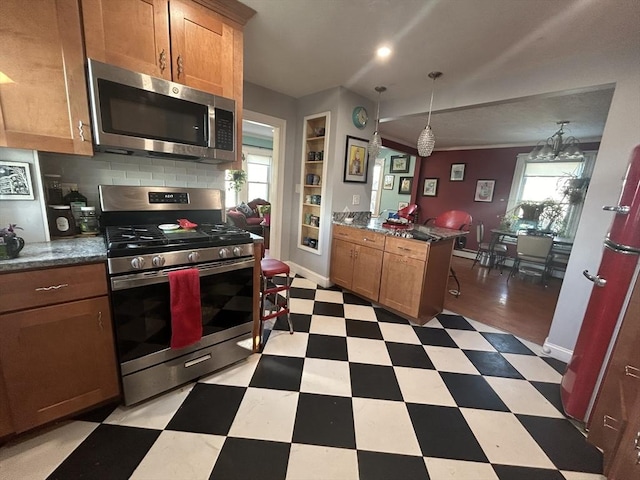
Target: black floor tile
[(550, 391), (565, 446), (110, 452), (334, 288), (454, 321), (374, 381), (328, 347), (278, 373), (558, 365), (352, 299), (443, 432), (506, 343), (329, 309), (492, 364), (324, 420), (306, 293), (245, 459), (98, 415), (511, 472), (472, 391), (405, 355), (363, 329), (301, 322), (385, 466), (388, 317), (208, 409), (436, 337)]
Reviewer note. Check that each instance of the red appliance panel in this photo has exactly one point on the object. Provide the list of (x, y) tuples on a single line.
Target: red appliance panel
[(625, 229)]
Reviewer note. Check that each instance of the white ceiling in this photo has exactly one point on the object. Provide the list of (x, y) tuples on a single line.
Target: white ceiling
[(299, 47)]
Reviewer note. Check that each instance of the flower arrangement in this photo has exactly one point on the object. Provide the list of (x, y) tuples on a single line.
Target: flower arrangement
[(9, 232)]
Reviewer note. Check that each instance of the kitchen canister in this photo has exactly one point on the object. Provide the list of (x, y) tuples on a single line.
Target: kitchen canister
[(61, 221), (88, 221)]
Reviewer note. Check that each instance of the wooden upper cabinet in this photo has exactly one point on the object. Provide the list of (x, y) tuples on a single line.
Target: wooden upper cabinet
[(43, 95), (132, 34)]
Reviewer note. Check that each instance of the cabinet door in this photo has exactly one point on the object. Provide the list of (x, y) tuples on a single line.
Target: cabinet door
[(401, 283), (367, 266), (6, 423), (341, 263), (57, 360), (132, 34), (43, 99)]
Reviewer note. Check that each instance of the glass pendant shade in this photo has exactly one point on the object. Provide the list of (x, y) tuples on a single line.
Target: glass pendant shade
[(426, 142), (556, 148), (374, 145)]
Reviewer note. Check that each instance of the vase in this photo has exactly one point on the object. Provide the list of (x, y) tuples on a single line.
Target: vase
[(10, 247)]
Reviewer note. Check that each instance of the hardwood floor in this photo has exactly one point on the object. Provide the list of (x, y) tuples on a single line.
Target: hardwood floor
[(520, 307)]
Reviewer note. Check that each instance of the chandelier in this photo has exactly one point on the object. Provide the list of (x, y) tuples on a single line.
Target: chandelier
[(376, 142), (427, 140), (556, 147)]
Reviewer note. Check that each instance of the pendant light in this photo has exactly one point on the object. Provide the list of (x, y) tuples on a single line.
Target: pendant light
[(376, 142), (427, 140), (556, 147)]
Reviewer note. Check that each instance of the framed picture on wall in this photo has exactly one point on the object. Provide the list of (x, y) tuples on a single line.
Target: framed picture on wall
[(430, 188), (484, 190), (356, 162), (457, 172), (15, 181), (388, 182), (405, 185), (399, 164)]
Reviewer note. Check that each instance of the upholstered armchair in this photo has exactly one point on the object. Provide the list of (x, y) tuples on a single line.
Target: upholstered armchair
[(246, 216)]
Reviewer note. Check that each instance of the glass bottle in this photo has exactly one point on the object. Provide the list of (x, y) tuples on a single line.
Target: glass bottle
[(53, 189), (76, 201), (88, 221)]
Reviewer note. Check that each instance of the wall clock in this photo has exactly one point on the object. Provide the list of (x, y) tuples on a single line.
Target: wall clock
[(360, 117)]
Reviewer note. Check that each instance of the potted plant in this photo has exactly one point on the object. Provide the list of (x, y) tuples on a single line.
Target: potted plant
[(574, 189), (530, 211), (237, 178), (10, 242), (265, 212)]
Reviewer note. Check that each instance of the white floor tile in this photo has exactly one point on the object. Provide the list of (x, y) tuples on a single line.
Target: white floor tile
[(326, 325), (180, 455), (433, 323), (448, 359), (384, 426), (581, 476), (266, 415), (445, 469), (396, 332), (330, 296), (281, 342), (534, 347), (481, 327), (504, 439), (533, 368), (469, 340), (36, 456), (239, 374), (522, 397), (301, 305), (423, 386), (365, 350), (303, 283), (311, 462), (360, 312), (326, 377), (155, 413)]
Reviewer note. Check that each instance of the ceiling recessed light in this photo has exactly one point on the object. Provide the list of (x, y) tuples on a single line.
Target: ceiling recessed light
[(383, 52)]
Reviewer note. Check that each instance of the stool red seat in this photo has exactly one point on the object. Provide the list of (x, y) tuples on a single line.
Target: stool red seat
[(272, 302)]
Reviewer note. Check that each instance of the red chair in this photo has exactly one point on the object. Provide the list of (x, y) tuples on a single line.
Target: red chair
[(272, 302), (454, 220)]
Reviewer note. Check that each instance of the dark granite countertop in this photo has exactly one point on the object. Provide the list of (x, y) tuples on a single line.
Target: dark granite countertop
[(419, 232), (68, 251)]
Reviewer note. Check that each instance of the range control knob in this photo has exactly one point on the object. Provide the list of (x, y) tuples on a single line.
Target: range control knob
[(237, 251), (137, 262), (158, 261), (193, 257), (224, 253)]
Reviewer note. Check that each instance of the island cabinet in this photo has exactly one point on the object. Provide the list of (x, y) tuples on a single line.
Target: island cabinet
[(57, 351), (43, 94), (356, 260)]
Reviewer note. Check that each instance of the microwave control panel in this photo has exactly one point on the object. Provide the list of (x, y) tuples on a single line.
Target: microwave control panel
[(224, 127)]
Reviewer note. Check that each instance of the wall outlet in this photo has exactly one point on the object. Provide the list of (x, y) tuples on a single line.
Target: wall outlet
[(356, 199)]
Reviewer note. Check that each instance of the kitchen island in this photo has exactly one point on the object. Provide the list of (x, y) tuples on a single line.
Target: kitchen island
[(405, 275)]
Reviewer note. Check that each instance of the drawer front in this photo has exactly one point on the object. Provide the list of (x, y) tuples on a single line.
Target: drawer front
[(408, 248), (359, 236), (38, 288)]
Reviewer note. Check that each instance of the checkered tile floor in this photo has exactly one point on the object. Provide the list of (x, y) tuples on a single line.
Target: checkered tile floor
[(355, 393)]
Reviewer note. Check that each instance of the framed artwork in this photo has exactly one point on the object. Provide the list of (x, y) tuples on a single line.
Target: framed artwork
[(388, 182), (15, 181), (484, 190), (402, 205), (430, 188), (399, 164), (356, 162), (457, 172), (405, 185)]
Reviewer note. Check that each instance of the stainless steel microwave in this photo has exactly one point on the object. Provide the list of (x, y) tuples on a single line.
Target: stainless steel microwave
[(134, 113)]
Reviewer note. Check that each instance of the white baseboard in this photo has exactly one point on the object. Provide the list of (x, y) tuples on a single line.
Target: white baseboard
[(556, 351), (324, 282)]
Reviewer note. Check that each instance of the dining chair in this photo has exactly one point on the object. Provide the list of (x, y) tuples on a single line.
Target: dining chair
[(533, 253), (494, 253)]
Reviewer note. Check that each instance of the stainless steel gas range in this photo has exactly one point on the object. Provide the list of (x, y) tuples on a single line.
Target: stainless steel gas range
[(144, 244)]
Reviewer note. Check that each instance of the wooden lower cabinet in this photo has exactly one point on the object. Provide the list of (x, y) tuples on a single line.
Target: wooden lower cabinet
[(401, 285)]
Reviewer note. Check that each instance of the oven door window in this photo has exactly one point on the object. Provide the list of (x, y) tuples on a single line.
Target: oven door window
[(142, 315)]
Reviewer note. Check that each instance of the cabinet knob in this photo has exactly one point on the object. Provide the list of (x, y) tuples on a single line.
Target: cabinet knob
[(162, 60)]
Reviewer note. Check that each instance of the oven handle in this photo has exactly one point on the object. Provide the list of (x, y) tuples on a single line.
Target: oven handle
[(162, 276)]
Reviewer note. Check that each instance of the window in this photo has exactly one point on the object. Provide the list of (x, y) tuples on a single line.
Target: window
[(375, 187), (257, 163), (552, 183)]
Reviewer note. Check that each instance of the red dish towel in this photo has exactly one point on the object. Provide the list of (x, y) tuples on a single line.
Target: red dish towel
[(186, 312)]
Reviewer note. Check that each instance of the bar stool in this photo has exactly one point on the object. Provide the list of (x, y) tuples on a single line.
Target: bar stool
[(272, 303)]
